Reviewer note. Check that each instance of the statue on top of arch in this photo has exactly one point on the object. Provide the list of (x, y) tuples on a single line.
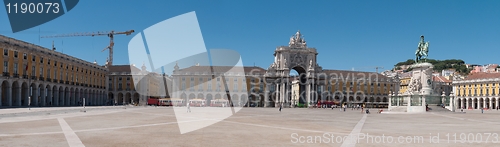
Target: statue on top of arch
[(297, 40)]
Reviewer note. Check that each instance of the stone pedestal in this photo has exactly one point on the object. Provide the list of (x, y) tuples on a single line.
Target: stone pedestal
[(419, 89)]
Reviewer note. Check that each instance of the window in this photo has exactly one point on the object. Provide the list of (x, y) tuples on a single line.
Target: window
[(119, 85), (209, 86), (67, 77), (15, 54), (25, 67), (41, 59), (218, 79), (200, 87), (15, 68), (33, 71), (25, 56), (128, 78), (183, 86), (41, 71), (183, 79), (55, 74), (48, 61), (235, 87), (200, 80), (55, 63), (48, 73), (5, 52), (119, 78), (191, 85), (5, 66), (244, 88), (34, 58)]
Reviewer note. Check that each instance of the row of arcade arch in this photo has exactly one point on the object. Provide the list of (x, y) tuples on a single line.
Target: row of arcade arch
[(20, 93)]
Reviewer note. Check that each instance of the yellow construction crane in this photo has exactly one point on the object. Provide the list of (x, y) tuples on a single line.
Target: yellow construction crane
[(110, 34)]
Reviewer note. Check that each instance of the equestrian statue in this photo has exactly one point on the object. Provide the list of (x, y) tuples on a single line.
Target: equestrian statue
[(422, 50)]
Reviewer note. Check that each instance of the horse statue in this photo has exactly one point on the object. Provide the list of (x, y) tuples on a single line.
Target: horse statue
[(422, 50)]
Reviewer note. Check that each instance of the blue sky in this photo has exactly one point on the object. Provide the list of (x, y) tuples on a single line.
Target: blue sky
[(347, 34)]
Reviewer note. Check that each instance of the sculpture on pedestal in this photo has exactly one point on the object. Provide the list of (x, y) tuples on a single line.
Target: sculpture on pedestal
[(310, 64), (297, 40), (422, 50)]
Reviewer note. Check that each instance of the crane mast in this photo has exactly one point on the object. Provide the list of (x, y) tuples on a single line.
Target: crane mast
[(110, 34)]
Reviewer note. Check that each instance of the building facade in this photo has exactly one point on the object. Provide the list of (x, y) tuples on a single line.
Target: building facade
[(271, 87), (478, 90), (37, 76), (131, 85)]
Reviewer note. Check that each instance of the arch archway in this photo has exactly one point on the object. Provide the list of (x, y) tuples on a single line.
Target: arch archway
[(67, 97), (128, 98), (192, 96), (480, 103), (235, 100), (209, 99), (72, 96), (120, 98), (200, 96), (298, 74), (24, 94), (16, 94), (244, 100), (493, 103), (136, 98), (111, 98), (487, 103), (5, 91), (39, 94), (60, 100)]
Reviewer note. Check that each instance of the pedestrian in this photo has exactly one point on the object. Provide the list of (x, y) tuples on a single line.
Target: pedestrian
[(281, 106), (482, 110), (497, 108), (188, 107), (345, 106), (361, 109)]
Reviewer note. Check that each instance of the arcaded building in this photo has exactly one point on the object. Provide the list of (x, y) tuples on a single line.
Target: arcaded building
[(271, 87), (477, 91), (131, 85), (47, 77)]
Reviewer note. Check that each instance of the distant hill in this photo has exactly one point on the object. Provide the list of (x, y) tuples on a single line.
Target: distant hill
[(439, 65)]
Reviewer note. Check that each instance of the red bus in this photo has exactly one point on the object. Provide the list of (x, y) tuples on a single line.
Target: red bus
[(153, 102)]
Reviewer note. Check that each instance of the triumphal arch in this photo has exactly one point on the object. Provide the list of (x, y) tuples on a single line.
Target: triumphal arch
[(296, 56)]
